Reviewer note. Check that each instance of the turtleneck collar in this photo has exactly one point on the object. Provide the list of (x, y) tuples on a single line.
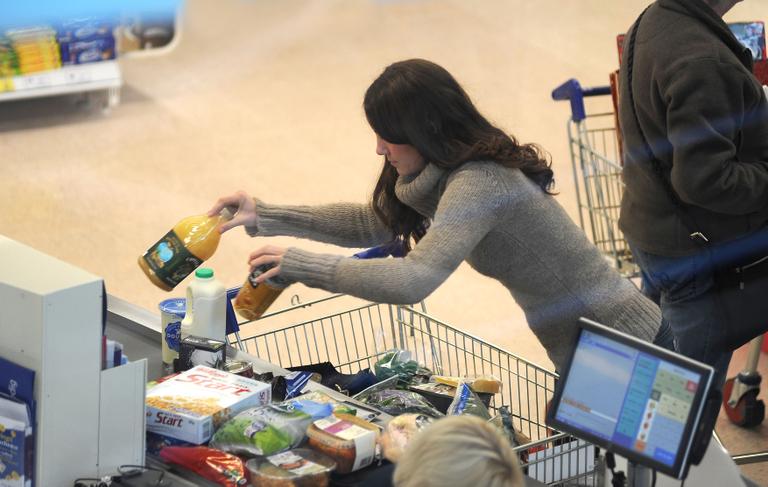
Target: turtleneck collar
[(420, 190)]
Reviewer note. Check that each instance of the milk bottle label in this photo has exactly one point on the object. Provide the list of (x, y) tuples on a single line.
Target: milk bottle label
[(170, 260)]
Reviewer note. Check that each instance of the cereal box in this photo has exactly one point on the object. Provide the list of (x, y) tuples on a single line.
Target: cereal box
[(191, 405)]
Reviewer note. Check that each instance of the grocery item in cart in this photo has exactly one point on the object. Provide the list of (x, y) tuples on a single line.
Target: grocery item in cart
[(155, 442), (441, 395), (386, 397), (396, 363), (190, 242), (348, 440), (254, 297), (399, 432), (397, 401), (466, 401), (264, 430), (342, 407), (503, 422), (190, 405), (301, 467), (241, 368), (487, 384), (215, 465), (349, 384), (195, 350)]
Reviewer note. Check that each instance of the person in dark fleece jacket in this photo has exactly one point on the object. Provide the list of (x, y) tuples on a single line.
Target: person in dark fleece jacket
[(463, 190), (705, 118)]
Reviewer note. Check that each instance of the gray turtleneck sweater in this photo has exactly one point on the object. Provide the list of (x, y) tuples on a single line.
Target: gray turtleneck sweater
[(493, 217)]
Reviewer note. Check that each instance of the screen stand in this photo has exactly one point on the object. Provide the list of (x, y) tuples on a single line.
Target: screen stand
[(638, 475)]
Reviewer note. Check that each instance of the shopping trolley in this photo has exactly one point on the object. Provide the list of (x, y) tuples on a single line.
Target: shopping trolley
[(595, 151), (595, 154), (355, 337)]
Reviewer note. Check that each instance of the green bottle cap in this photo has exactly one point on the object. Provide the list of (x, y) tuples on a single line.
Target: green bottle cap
[(204, 273)]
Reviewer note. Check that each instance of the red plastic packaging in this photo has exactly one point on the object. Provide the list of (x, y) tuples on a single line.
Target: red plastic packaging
[(214, 465)]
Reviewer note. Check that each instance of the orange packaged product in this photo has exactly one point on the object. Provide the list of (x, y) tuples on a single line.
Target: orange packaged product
[(190, 243), (348, 440), (254, 298)]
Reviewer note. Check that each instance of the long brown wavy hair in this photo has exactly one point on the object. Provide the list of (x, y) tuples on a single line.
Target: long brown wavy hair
[(419, 103)]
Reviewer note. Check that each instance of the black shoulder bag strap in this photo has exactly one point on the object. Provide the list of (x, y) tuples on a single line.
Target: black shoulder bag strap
[(695, 234)]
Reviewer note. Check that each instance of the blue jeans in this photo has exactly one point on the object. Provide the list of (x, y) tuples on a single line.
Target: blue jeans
[(684, 289)]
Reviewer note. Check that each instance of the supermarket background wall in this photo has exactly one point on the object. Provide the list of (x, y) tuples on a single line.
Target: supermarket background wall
[(266, 96)]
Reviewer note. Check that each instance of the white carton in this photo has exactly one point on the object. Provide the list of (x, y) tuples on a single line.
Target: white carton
[(191, 405)]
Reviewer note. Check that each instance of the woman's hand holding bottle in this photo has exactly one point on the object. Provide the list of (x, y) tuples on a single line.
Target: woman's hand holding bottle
[(271, 255), (244, 207)]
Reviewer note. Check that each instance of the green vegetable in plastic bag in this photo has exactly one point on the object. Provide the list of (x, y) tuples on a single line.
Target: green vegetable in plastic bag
[(396, 363), (263, 430), (396, 402)]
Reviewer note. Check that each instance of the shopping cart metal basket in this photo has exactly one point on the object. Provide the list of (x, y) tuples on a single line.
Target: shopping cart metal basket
[(595, 156), (355, 337)]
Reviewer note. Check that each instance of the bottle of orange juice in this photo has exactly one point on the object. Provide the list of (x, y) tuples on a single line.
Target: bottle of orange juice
[(254, 298), (190, 243)]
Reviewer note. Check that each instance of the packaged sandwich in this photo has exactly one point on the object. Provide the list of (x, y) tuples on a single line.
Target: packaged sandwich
[(301, 467), (348, 440)]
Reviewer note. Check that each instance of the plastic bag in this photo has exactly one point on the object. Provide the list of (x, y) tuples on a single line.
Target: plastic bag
[(263, 430), (214, 465), (396, 402), (396, 363), (317, 410), (467, 402), (323, 398)]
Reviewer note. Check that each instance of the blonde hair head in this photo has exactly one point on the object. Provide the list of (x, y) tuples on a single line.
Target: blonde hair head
[(460, 451)]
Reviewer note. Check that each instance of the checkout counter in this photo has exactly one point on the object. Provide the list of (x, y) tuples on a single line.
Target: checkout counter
[(91, 421)]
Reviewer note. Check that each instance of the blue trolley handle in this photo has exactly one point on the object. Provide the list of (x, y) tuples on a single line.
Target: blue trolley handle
[(572, 90)]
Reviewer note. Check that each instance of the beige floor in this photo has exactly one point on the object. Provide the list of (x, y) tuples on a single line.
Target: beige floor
[(266, 96)]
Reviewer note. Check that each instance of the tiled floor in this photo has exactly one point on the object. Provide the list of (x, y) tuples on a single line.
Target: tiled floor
[(266, 97)]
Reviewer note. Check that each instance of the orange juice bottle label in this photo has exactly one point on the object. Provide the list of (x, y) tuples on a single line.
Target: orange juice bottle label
[(170, 260)]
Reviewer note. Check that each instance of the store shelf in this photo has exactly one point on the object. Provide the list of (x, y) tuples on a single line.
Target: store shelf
[(104, 75)]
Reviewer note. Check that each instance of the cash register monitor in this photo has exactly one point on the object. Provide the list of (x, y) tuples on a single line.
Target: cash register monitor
[(632, 398)]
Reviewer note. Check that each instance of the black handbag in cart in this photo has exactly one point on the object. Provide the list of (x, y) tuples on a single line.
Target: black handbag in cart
[(739, 267)]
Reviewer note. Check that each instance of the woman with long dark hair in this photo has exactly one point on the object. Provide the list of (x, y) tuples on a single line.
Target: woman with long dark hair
[(458, 188)]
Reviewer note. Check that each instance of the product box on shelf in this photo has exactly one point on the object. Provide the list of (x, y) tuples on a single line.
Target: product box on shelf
[(94, 50), (189, 406), (15, 443)]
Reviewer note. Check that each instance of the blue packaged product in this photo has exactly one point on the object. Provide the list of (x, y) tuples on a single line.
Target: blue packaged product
[(295, 382), (82, 52), (156, 442), (83, 29), (16, 443), (466, 401), (315, 409)]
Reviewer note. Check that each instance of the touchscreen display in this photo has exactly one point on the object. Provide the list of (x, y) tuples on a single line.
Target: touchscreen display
[(752, 36), (628, 397)]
